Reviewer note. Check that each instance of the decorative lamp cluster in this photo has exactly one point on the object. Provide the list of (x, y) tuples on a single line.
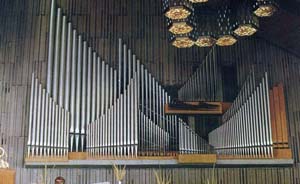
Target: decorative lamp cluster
[(225, 27), (265, 8), (177, 9), (247, 23), (205, 32), (181, 26), (189, 26)]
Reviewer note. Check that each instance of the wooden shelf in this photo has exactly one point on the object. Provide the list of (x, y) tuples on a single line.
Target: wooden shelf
[(197, 158), (204, 108)]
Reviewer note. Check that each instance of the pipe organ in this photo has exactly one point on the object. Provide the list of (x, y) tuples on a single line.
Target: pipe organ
[(249, 125), (89, 106), (206, 82)]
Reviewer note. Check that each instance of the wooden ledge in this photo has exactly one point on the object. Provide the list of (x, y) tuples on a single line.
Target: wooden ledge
[(284, 153), (205, 108), (131, 157), (78, 155), (197, 158), (46, 159)]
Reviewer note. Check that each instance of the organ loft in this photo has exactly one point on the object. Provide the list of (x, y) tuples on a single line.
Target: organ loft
[(149, 92)]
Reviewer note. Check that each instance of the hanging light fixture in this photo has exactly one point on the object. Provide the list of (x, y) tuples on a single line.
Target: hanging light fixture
[(181, 26), (205, 33), (225, 27), (198, 1), (247, 23), (183, 40), (177, 9), (264, 8)]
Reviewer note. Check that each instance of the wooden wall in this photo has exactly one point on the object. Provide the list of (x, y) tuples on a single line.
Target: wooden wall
[(23, 38)]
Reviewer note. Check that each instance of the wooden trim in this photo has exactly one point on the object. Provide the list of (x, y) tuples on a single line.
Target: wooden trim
[(7, 176), (197, 158), (283, 114), (131, 158), (78, 155), (219, 109), (46, 159), (283, 154), (277, 115), (273, 121)]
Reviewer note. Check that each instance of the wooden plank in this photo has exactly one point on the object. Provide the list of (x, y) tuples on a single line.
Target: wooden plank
[(283, 154), (197, 158), (283, 115), (46, 159), (277, 114), (78, 155), (273, 121), (7, 176), (204, 108)]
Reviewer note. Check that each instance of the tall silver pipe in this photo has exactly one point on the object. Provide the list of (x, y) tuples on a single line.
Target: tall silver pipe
[(121, 137), (66, 136), (124, 66), (61, 94), (98, 96), (55, 132), (129, 65), (94, 86), (57, 55), (46, 120), (132, 122), (60, 131), (78, 92), (111, 80), (31, 115), (89, 86), (50, 122), (38, 125), (120, 67), (83, 94), (129, 116), (73, 90), (107, 86), (50, 48), (68, 68), (102, 87), (115, 86), (42, 133)]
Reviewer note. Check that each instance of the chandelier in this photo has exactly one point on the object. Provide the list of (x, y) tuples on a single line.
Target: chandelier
[(181, 26), (182, 40), (177, 9), (189, 24), (265, 8), (247, 23), (205, 32), (225, 27)]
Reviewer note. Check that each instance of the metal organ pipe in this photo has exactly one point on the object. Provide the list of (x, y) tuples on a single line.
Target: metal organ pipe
[(56, 56), (101, 110), (68, 68), (246, 130), (50, 48), (62, 63)]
